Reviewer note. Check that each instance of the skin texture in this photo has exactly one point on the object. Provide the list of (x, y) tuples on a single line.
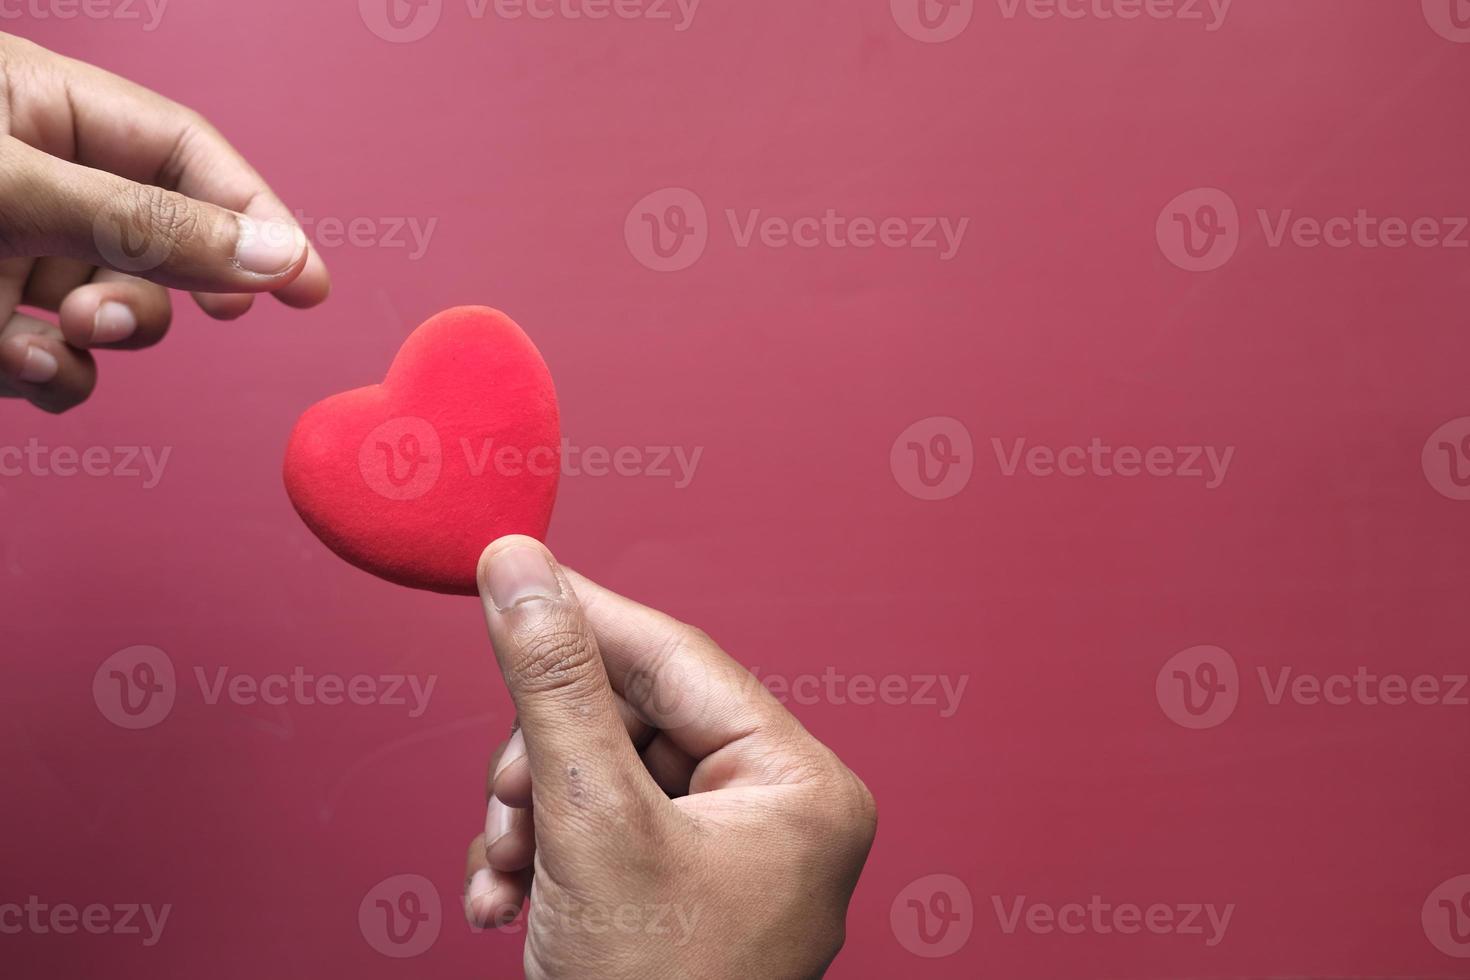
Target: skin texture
[(659, 811), (109, 196)]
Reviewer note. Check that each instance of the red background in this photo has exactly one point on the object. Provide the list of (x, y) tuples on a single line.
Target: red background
[(1326, 548)]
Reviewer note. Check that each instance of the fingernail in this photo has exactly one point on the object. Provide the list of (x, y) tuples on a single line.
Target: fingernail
[(477, 893), (514, 750), (40, 366), (497, 822), (520, 574), (113, 322), (268, 248)]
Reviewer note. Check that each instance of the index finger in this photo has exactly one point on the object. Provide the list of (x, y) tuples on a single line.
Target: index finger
[(678, 679), (136, 133)]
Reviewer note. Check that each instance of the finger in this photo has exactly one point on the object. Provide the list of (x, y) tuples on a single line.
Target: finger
[(126, 129), (510, 837), (670, 766), (224, 306), (678, 678), (512, 779), (580, 757), (53, 207), (52, 280), (491, 898), (116, 311), (494, 768), (37, 365)]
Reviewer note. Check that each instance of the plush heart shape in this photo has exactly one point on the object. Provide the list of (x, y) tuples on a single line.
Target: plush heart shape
[(460, 444)]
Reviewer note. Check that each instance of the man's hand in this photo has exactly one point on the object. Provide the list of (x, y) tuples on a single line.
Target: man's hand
[(662, 812), (108, 194)]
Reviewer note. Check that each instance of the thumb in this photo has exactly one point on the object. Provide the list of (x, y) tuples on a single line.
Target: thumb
[(51, 207), (577, 746)]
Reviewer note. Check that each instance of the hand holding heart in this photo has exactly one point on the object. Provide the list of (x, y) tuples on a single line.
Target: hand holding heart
[(659, 808)]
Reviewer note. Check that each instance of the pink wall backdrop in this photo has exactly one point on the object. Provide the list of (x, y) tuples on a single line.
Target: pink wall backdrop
[(1106, 509)]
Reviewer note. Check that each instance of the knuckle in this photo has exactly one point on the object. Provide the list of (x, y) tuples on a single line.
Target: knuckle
[(164, 215), (692, 637), (556, 656)]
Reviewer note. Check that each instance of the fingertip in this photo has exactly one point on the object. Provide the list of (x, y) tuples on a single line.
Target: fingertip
[(26, 359), (46, 372), (311, 287), (225, 306), (116, 312), (489, 901), (513, 785), (495, 553)]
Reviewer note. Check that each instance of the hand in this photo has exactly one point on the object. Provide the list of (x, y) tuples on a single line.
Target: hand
[(664, 814), (109, 193)]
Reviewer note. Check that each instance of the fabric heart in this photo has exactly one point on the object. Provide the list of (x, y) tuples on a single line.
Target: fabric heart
[(460, 444)]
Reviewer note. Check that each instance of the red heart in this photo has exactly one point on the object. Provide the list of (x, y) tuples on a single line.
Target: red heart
[(460, 444)]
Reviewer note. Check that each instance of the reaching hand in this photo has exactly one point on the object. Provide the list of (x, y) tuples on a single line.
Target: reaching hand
[(108, 194)]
